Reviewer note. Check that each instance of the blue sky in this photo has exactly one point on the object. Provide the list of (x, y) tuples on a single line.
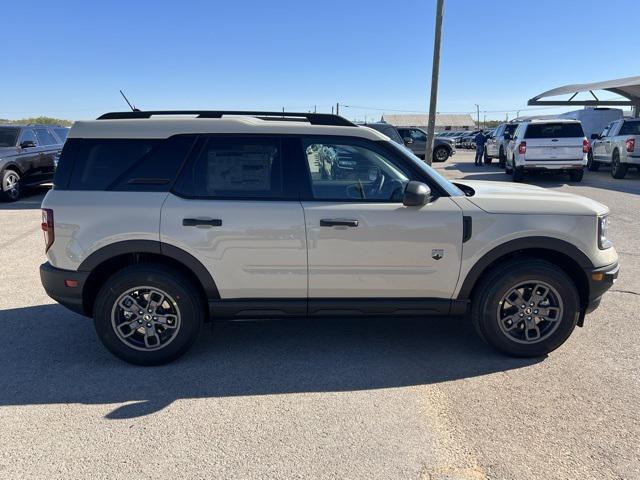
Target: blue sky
[(68, 59)]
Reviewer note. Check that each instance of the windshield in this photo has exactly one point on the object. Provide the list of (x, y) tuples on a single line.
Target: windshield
[(446, 185), (8, 136)]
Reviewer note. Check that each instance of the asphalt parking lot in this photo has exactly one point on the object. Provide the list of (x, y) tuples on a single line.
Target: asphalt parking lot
[(336, 399)]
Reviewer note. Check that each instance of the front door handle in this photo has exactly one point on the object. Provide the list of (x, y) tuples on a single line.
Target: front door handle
[(196, 222), (338, 222)]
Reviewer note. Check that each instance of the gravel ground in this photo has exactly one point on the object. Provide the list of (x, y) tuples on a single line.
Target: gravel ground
[(335, 399)]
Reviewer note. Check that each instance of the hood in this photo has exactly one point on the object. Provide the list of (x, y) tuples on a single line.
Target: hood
[(7, 152), (515, 198)]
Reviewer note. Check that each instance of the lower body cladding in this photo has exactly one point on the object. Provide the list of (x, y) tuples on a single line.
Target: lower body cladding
[(67, 287), (249, 309)]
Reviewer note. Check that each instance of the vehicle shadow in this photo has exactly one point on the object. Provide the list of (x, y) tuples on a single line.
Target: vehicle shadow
[(51, 355), (31, 199)]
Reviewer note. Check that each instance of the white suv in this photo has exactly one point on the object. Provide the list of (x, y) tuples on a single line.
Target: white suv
[(160, 221), (548, 145)]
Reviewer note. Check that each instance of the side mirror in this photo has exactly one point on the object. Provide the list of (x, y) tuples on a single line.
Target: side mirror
[(28, 144), (595, 136), (507, 136), (416, 194), (408, 140)]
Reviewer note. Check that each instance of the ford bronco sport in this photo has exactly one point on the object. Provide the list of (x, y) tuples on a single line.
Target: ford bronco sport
[(160, 221)]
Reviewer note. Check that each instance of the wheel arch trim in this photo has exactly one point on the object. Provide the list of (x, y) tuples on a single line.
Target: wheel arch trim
[(190, 262), (554, 245)]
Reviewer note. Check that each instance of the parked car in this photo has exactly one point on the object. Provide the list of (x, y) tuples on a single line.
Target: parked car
[(158, 225), (468, 140), (416, 140), (496, 143), (28, 155), (618, 146), (548, 145)]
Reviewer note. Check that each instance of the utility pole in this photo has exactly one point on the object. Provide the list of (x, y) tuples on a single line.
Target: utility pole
[(484, 121), (435, 72), (337, 109), (478, 110)]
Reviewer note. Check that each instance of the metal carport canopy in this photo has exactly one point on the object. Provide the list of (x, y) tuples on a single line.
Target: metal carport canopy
[(626, 87)]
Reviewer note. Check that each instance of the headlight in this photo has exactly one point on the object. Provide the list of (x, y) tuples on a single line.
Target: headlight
[(603, 228)]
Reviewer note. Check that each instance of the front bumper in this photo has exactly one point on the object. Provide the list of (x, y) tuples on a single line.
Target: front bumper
[(600, 280), (55, 282)]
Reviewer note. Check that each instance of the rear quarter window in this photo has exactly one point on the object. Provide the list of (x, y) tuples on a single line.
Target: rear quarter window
[(630, 128), (121, 164), (554, 130)]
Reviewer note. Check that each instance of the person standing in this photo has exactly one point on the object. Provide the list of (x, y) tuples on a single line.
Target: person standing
[(480, 140)]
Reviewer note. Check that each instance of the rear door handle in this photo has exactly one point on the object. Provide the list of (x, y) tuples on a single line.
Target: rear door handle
[(195, 222), (338, 222)]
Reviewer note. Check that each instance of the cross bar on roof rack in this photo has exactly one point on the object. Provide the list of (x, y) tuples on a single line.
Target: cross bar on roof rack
[(312, 118)]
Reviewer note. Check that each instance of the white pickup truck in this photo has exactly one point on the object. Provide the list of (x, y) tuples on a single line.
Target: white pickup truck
[(617, 145)]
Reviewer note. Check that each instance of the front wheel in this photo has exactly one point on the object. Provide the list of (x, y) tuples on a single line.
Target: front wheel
[(487, 158), (148, 314), (440, 154), (592, 165), (10, 188), (526, 307)]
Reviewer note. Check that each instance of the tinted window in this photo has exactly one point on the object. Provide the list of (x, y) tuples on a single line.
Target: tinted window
[(234, 168), (350, 172), (417, 135), (8, 136), (510, 128), (62, 133), (45, 137), (28, 136), (97, 163), (554, 130), (630, 128)]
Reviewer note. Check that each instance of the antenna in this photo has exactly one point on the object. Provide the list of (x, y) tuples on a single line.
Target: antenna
[(133, 109)]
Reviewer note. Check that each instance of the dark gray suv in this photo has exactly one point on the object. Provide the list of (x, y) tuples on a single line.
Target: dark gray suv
[(28, 156)]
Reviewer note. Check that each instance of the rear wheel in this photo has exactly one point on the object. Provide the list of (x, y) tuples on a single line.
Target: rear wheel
[(440, 154), (576, 175), (518, 174), (618, 170), (526, 307), (10, 188), (148, 314), (592, 165), (502, 158)]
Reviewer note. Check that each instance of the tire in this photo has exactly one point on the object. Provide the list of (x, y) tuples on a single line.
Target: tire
[(592, 164), (183, 315), (502, 158), (492, 312), (576, 175), (618, 170), (487, 158), (518, 174), (10, 187), (440, 154)]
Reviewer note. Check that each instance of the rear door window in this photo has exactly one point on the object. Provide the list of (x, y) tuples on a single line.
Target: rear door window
[(45, 137), (235, 168), (554, 130)]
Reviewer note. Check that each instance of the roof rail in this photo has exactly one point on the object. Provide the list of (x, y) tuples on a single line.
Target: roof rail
[(312, 118)]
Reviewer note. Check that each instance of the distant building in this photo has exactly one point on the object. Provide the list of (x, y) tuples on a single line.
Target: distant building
[(444, 121)]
